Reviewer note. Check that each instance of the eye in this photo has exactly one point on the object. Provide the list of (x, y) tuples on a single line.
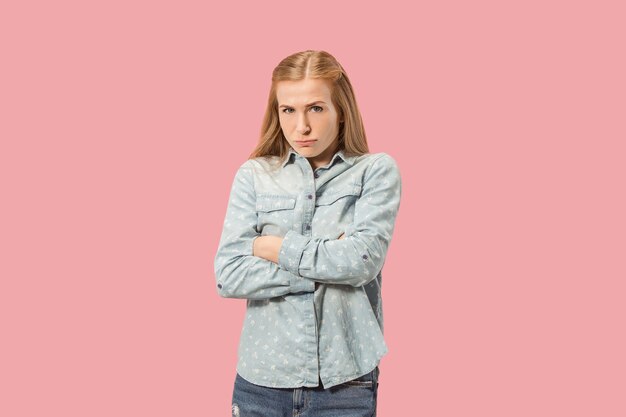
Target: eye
[(316, 109), (287, 110)]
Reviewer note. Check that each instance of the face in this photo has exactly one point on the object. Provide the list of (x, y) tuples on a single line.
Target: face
[(308, 118)]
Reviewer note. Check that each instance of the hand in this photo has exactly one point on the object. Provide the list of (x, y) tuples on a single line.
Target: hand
[(267, 247)]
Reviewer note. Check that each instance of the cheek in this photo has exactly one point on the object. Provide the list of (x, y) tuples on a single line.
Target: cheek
[(284, 123), (331, 127), (325, 123)]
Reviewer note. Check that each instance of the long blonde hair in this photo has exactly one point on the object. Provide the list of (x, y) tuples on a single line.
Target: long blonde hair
[(313, 64)]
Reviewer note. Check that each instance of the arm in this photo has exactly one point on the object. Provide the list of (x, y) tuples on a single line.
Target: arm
[(359, 256), (268, 247), (239, 273)]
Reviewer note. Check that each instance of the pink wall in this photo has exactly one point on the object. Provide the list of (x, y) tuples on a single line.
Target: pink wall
[(122, 125)]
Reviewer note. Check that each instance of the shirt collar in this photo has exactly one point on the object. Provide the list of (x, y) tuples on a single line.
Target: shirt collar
[(340, 154)]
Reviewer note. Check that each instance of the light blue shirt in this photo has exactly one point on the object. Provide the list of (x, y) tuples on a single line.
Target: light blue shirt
[(317, 314)]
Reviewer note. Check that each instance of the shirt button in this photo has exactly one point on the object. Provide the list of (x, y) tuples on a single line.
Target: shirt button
[(316, 175), (365, 257), (219, 286), (310, 196), (308, 227)]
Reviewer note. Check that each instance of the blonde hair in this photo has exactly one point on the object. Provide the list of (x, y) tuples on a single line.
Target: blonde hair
[(313, 64)]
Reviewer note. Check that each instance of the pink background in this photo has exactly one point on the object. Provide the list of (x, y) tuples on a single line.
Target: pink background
[(122, 124)]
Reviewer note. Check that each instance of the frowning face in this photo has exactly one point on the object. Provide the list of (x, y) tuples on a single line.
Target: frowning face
[(308, 118)]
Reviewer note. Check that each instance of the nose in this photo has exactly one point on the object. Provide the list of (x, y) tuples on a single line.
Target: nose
[(303, 127)]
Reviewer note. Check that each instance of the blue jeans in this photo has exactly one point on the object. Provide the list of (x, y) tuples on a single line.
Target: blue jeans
[(356, 398)]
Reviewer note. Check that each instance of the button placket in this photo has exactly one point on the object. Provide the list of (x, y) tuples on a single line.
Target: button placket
[(309, 208), (309, 197)]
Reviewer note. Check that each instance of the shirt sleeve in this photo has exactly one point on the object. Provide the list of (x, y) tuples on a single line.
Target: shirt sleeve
[(238, 272), (359, 256)]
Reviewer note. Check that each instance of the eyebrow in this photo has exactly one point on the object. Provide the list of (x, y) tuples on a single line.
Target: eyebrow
[(307, 105)]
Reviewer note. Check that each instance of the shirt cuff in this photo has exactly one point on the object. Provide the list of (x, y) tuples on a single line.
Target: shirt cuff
[(299, 284), (291, 251)]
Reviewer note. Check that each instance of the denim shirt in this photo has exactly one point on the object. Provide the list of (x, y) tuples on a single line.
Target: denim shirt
[(316, 315)]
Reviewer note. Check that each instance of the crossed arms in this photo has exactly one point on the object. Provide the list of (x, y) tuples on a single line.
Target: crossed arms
[(248, 265)]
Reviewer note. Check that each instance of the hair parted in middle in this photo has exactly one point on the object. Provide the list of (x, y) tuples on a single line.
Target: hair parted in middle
[(313, 64)]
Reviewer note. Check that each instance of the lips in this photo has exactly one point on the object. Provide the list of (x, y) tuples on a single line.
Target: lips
[(307, 142)]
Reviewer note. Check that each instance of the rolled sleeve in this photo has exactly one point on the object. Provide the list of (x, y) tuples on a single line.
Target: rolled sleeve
[(298, 284), (291, 251)]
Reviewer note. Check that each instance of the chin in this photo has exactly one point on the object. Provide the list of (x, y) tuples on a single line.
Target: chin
[(309, 153)]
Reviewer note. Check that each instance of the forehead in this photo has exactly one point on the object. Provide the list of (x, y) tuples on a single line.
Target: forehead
[(303, 91)]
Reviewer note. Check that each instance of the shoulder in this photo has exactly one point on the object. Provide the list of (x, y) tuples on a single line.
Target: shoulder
[(260, 165), (380, 162), (382, 173)]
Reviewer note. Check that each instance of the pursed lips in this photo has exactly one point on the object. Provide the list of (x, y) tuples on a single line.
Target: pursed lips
[(306, 142)]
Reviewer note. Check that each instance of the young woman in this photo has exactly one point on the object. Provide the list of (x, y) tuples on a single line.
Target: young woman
[(307, 228)]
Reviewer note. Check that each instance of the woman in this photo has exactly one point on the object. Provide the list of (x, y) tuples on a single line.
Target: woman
[(307, 228)]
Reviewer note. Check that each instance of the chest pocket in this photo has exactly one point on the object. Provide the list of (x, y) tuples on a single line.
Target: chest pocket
[(347, 193), (275, 213), (334, 209)]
